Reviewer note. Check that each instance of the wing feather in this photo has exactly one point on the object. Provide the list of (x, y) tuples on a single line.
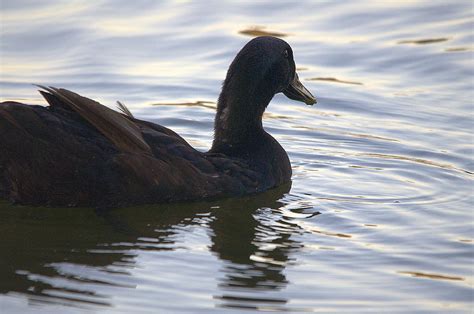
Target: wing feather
[(120, 130), (124, 109)]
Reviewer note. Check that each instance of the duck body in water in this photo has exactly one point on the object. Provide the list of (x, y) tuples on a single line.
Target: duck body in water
[(76, 152)]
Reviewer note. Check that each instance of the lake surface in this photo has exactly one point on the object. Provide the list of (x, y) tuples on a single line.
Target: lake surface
[(379, 216)]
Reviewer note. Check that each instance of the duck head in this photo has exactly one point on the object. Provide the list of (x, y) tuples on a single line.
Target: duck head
[(262, 68), (267, 64)]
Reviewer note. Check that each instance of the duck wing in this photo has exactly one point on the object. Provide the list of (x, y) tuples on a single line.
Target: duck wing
[(54, 157), (116, 127)]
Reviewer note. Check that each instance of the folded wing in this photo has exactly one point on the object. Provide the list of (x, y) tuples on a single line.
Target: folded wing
[(116, 127)]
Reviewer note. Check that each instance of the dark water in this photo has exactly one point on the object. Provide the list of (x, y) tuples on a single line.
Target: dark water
[(380, 213)]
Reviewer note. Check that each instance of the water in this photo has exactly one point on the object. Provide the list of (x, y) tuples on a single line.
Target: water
[(380, 212)]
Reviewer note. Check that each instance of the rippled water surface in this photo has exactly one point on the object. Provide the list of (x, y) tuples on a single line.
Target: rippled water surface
[(379, 216)]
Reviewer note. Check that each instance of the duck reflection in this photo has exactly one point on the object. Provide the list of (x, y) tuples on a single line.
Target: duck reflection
[(44, 248), (257, 251)]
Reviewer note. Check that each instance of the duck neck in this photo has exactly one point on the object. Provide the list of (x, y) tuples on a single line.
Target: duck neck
[(238, 123)]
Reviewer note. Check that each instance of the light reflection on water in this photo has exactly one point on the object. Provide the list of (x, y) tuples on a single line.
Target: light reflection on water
[(379, 216)]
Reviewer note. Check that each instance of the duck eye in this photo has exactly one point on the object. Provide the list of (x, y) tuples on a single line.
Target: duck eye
[(286, 54)]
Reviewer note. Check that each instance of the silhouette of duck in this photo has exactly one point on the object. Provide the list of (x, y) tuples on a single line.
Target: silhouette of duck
[(79, 152)]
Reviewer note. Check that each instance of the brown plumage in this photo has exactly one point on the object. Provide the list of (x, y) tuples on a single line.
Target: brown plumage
[(79, 152)]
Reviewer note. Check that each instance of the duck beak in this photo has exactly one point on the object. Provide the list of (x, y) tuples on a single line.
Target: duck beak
[(297, 91)]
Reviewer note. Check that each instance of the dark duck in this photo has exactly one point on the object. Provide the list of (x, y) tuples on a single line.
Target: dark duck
[(77, 152)]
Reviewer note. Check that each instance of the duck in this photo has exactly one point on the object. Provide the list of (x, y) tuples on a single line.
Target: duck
[(78, 152)]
